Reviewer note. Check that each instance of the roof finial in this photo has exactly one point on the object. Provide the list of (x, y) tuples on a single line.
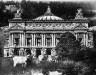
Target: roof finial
[(48, 9), (48, 12)]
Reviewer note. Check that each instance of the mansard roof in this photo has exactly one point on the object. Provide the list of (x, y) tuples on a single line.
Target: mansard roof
[(48, 16)]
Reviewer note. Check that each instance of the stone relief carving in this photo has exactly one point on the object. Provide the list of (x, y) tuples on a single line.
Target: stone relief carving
[(80, 26), (49, 25), (17, 26)]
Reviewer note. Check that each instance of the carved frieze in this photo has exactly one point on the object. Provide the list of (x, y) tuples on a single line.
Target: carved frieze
[(81, 26), (50, 25), (16, 25)]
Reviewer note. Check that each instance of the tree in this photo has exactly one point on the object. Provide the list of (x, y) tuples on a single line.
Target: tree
[(68, 46), (88, 56), (1, 42)]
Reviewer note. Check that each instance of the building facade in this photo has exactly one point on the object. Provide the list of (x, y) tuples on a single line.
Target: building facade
[(40, 35)]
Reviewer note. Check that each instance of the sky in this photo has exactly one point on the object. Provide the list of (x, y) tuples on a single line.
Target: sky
[(51, 0)]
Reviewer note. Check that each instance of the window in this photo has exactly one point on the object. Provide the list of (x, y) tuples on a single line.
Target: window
[(16, 41), (48, 41), (38, 41), (28, 41)]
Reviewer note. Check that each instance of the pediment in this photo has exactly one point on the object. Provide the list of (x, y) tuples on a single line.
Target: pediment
[(16, 27), (80, 27)]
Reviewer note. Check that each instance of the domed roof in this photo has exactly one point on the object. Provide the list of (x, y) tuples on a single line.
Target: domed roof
[(48, 16)]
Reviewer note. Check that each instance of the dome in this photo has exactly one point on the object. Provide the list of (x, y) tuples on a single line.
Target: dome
[(48, 16)]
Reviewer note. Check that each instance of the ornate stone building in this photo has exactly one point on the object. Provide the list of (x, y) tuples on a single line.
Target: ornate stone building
[(40, 35)]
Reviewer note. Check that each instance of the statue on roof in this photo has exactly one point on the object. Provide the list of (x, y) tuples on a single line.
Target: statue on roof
[(18, 13), (18, 10), (79, 14)]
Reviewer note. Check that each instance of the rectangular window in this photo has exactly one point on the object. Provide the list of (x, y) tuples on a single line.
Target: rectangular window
[(16, 41), (38, 41), (28, 41), (48, 41)]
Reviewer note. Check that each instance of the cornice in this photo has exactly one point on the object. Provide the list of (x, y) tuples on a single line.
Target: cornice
[(16, 20), (49, 21)]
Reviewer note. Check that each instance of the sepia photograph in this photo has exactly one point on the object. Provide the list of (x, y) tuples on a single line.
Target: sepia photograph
[(47, 37)]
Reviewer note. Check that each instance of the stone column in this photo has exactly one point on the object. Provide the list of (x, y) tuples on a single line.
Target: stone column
[(76, 36), (46, 42), (42, 40), (12, 39), (20, 39), (52, 40), (24, 39), (26, 42), (86, 39), (36, 42), (32, 41)]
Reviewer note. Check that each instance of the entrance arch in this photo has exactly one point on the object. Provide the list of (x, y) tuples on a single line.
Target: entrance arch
[(16, 51), (38, 52)]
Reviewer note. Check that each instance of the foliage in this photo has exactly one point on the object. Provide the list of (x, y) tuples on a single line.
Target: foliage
[(71, 67), (88, 56), (2, 41), (68, 46)]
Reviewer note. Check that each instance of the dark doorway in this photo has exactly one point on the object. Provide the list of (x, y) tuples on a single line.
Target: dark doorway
[(28, 51), (80, 39), (48, 51), (38, 52), (16, 51), (7, 53)]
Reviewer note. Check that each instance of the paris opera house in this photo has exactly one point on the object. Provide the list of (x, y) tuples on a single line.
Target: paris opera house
[(40, 35)]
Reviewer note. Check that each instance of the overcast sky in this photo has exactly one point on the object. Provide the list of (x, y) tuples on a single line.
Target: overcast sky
[(51, 0)]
